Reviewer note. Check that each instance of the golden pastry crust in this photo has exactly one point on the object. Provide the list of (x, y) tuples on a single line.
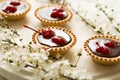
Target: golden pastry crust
[(98, 59), (17, 16), (61, 49), (50, 22)]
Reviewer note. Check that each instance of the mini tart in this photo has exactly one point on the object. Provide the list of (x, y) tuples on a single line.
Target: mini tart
[(99, 59), (59, 49), (16, 16), (47, 22)]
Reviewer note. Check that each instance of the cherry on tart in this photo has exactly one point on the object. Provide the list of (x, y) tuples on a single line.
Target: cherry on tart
[(103, 49), (53, 37), (110, 44), (47, 33), (10, 9), (58, 14), (59, 10), (15, 3), (14, 10), (53, 15), (60, 40)]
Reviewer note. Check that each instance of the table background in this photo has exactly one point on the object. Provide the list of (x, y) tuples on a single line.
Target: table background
[(81, 30)]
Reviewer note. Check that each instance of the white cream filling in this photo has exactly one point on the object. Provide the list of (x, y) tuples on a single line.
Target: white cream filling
[(57, 33), (45, 13), (20, 8), (93, 46)]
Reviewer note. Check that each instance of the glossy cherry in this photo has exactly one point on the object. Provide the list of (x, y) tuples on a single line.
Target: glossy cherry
[(47, 33), (103, 50), (54, 14), (59, 40), (59, 10), (61, 16), (10, 9), (57, 13), (110, 44), (15, 3)]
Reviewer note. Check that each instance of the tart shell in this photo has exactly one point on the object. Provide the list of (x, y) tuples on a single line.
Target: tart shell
[(17, 16), (50, 22), (61, 49), (98, 59)]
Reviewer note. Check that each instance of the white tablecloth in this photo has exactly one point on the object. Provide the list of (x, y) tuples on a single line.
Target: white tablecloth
[(81, 30)]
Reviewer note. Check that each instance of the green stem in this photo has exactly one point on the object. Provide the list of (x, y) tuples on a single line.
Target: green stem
[(9, 41), (77, 61), (69, 78), (117, 29), (101, 9), (12, 38), (79, 55)]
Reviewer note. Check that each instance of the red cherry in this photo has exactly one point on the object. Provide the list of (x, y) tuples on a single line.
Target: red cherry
[(57, 13), (59, 40), (54, 14), (47, 33), (59, 10), (103, 50), (15, 3), (10, 9), (61, 16), (110, 44)]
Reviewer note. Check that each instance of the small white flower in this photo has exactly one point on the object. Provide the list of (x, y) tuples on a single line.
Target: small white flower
[(83, 70), (89, 78), (82, 78)]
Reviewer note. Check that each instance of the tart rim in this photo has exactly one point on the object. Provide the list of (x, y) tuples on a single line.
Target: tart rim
[(89, 52), (68, 18), (61, 48), (28, 7)]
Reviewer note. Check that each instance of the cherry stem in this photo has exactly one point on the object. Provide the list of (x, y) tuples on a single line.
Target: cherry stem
[(37, 32), (31, 29), (98, 44), (62, 4)]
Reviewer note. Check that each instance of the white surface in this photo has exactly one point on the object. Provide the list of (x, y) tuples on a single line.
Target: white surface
[(82, 32)]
